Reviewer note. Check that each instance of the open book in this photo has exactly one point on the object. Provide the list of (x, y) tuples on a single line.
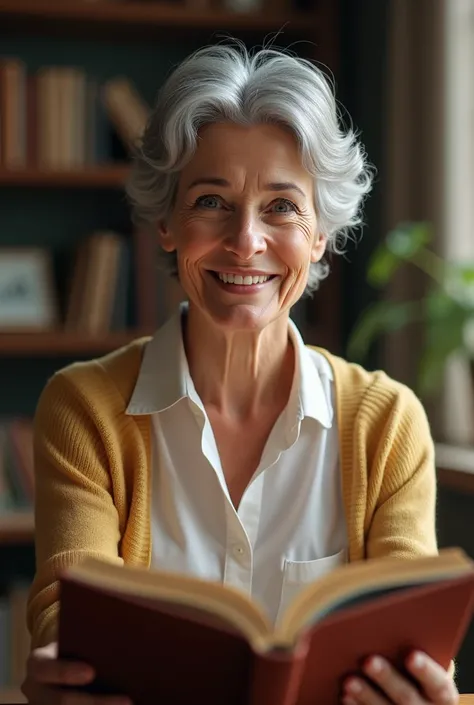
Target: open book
[(173, 639)]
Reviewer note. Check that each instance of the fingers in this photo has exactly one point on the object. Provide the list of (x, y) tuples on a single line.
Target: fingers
[(47, 652), (436, 682), (437, 685), (359, 692), (396, 689), (45, 675), (42, 667)]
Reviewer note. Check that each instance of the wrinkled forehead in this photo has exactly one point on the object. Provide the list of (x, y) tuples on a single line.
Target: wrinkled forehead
[(241, 156)]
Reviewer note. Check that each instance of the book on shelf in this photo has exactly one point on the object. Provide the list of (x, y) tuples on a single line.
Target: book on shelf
[(60, 118), (115, 284), (196, 641), (13, 149), (95, 284), (127, 109)]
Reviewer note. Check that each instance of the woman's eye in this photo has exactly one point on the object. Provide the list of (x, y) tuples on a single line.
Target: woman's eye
[(283, 205), (209, 202)]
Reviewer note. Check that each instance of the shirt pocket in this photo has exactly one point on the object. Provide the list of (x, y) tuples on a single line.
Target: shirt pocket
[(299, 574)]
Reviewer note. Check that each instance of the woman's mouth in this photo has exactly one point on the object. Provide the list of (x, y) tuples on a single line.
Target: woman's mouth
[(241, 283), (245, 280)]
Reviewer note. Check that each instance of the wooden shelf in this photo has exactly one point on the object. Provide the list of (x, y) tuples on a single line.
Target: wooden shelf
[(16, 527), (148, 17), (107, 176), (64, 342)]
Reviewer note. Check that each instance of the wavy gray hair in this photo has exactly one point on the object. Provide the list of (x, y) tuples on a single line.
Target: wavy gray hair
[(229, 83)]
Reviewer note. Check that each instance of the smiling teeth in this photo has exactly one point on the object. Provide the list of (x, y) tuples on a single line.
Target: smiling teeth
[(239, 279)]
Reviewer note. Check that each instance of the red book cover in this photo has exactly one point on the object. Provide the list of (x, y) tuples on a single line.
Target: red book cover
[(207, 644)]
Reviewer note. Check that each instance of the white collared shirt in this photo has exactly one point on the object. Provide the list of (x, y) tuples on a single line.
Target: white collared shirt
[(289, 528)]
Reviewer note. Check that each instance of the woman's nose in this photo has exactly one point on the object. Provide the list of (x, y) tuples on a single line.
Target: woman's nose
[(246, 238)]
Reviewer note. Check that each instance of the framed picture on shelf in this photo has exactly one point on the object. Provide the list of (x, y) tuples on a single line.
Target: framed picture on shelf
[(27, 292)]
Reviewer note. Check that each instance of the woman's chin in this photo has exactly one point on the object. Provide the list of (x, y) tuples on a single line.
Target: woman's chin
[(241, 317)]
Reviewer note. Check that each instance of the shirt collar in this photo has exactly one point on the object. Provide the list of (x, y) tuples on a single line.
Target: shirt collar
[(309, 396), (164, 377)]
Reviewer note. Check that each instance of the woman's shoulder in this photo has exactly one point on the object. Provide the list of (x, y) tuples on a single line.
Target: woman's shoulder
[(377, 405), (111, 375), (369, 388)]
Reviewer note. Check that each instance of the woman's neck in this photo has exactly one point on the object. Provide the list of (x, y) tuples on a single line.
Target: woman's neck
[(239, 373)]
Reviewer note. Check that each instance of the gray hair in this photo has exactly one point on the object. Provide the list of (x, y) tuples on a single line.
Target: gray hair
[(229, 83)]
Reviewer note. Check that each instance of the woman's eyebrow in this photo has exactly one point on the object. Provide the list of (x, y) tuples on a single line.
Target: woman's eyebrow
[(273, 186), (284, 186)]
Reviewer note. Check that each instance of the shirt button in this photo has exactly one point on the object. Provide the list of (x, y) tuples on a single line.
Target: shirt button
[(239, 550)]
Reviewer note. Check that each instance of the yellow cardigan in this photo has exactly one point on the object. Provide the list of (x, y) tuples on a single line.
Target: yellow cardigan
[(92, 465)]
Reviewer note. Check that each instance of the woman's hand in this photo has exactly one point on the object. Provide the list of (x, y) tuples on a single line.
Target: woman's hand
[(436, 683), (45, 675)]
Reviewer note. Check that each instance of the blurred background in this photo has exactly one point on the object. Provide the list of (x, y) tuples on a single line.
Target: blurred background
[(77, 79)]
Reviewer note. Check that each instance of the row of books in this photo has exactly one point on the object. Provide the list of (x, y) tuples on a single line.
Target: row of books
[(60, 118), (116, 284), (16, 464), (14, 636)]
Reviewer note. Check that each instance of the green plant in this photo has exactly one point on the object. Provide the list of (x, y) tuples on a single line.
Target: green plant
[(446, 310)]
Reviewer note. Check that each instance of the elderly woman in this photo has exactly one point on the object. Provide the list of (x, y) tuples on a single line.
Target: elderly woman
[(224, 447)]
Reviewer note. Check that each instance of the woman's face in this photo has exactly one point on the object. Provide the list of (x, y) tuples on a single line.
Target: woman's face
[(244, 225)]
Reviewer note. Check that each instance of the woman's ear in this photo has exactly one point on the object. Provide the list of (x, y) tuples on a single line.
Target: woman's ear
[(319, 247), (165, 237)]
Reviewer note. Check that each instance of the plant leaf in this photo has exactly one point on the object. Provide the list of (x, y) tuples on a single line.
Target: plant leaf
[(382, 266), (439, 305), (402, 244), (407, 239), (459, 284), (467, 273), (445, 325)]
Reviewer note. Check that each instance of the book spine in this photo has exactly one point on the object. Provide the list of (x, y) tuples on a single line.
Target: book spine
[(277, 676), (32, 120)]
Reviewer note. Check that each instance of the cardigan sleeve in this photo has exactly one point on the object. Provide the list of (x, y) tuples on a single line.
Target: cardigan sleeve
[(402, 479), (75, 516)]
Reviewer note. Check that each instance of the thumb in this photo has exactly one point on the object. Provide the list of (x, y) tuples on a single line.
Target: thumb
[(46, 653)]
